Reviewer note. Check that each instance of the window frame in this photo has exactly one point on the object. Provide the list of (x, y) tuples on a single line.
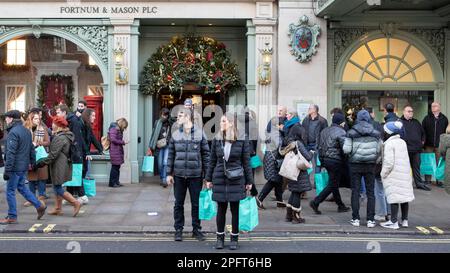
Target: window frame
[(6, 94)]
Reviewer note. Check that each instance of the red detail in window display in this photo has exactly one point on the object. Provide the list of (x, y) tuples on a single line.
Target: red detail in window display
[(96, 103)]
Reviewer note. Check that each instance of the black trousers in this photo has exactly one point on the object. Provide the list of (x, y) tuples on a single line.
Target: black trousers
[(278, 186), (414, 160), (180, 188), (295, 200), (254, 190), (79, 191), (394, 211), (335, 171), (114, 175), (368, 172), (221, 216)]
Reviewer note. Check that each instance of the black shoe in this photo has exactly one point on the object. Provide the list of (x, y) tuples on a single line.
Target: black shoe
[(281, 204), (440, 184), (343, 209), (427, 182), (162, 184), (179, 235), (115, 186), (234, 242), (197, 234), (423, 187), (259, 204), (119, 185), (315, 207), (220, 241)]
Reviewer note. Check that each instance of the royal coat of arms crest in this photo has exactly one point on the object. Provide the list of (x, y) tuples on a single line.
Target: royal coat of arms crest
[(303, 39)]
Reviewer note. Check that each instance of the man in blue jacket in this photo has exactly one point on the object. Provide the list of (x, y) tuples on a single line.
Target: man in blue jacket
[(19, 157)]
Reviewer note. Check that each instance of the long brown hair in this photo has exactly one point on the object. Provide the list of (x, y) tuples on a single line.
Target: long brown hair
[(29, 121), (86, 117), (232, 118), (122, 123)]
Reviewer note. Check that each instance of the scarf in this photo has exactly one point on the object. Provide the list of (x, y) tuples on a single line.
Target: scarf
[(290, 123)]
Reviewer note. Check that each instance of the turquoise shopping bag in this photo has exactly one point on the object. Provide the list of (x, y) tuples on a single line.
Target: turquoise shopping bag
[(440, 170), (248, 214), (77, 172), (89, 183), (41, 153), (207, 207), (148, 163), (255, 162), (427, 163), (321, 180)]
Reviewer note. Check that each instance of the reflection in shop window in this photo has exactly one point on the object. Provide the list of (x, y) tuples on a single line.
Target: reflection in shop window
[(388, 60), (15, 97), (16, 52)]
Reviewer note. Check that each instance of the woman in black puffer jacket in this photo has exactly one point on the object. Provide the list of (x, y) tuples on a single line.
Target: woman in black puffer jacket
[(227, 149), (295, 137)]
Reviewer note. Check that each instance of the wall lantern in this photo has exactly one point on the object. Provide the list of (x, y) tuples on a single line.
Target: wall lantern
[(264, 71), (121, 69)]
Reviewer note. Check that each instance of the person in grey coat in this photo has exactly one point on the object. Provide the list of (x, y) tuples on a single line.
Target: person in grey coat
[(296, 142), (363, 147), (187, 163)]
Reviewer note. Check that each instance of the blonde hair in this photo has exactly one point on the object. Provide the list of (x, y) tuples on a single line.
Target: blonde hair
[(122, 123), (29, 121)]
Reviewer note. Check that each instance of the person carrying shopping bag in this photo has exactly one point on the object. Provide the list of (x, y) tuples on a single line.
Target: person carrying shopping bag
[(229, 175), (37, 178), (396, 175), (115, 136), (59, 159)]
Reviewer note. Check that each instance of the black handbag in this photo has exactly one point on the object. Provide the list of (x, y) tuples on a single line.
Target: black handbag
[(233, 173)]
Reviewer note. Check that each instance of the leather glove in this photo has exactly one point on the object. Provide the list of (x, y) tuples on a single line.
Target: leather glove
[(6, 176)]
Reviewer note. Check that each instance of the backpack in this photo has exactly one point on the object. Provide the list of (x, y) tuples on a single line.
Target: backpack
[(75, 156)]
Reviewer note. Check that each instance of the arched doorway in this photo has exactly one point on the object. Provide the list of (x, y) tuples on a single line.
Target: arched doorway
[(377, 69)]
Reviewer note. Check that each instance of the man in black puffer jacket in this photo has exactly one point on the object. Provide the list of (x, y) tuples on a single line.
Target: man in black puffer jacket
[(187, 163), (330, 153)]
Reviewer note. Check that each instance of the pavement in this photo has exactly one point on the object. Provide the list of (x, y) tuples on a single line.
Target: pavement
[(148, 208)]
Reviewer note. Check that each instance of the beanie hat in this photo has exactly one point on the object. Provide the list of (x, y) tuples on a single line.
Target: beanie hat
[(15, 114), (60, 122), (338, 118), (188, 102), (363, 115), (393, 127)]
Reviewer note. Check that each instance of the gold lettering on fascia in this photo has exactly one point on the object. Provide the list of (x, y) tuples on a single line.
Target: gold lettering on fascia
[(111, 10)]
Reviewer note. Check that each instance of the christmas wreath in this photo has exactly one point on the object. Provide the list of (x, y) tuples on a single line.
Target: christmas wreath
[(68, 95), (199, 60)]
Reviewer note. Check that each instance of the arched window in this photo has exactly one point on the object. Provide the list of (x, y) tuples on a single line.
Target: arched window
[(388, 60)]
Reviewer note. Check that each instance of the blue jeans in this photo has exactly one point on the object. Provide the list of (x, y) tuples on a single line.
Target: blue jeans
[(363, 186), (162, 163), (40, 185), (17, 182), (381, 206), (59, 190)]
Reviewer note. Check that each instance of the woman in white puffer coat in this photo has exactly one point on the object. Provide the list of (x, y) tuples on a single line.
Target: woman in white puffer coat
[(396, 175)]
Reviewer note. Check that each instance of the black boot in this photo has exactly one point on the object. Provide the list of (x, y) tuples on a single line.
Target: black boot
[(234, 241), (197, 234), (179, 235), (259, 203), (220, 240), (315, 208), (289, 213), (297, 217)]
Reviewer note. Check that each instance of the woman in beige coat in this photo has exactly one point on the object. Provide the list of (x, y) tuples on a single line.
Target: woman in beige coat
[(396, 175), (37, 179)]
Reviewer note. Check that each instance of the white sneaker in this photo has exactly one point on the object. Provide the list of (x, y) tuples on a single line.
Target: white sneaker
[(371, 224), (83, 200), (354, 222), (64, 202), (405, 223), (390, 225), (380, 218)]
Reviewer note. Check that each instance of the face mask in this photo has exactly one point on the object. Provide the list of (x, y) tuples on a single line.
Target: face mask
[(80, 110)]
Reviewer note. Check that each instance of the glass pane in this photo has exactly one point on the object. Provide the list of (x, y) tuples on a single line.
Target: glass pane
[(351, 73), (388, 80), (414, 57), (393, 63), (12, 45), (91, 61), (21, 44), (397, 47), (424, 73), (383, 65), (403, 69), (361, 56), (11, 58), (369, 78), (21, 57), (378, 47), (374, 69), (407, 78)]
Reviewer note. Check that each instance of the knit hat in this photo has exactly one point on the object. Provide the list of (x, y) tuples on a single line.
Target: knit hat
[(188, 102), (363, 115), (338, 118), (393, 127), (60, 122), (15, 114)]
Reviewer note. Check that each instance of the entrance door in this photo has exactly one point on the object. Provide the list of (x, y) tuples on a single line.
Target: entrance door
[(353, 101), (54, 95)]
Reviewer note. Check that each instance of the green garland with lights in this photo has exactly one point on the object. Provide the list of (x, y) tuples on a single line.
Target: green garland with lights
[(199, 60)]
